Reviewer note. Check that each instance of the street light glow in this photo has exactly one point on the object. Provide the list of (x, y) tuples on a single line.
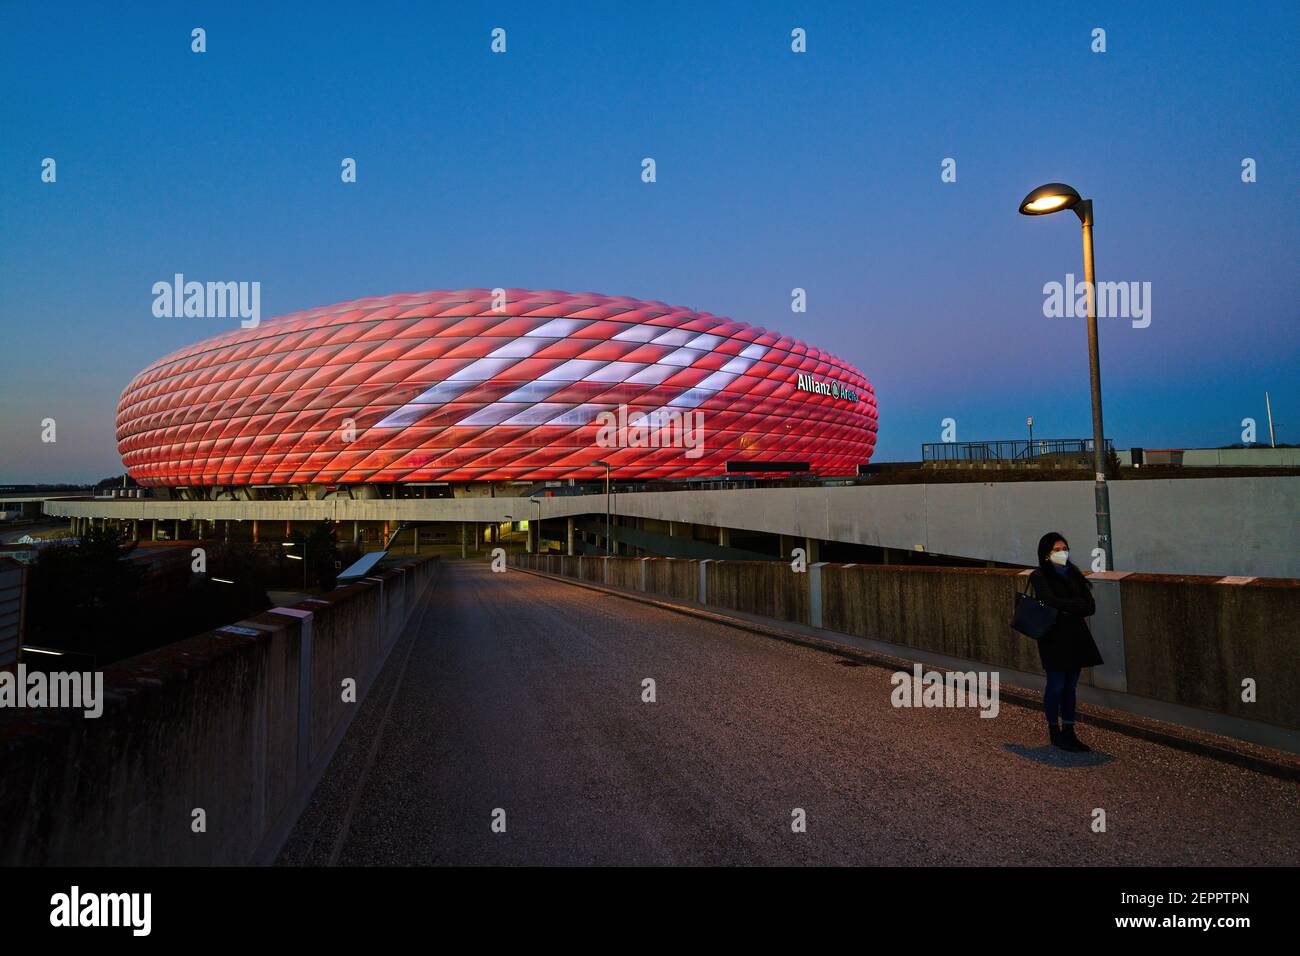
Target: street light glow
[(1046, 204)]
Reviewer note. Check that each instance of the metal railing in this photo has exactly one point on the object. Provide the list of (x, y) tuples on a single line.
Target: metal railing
[(1010, 450)]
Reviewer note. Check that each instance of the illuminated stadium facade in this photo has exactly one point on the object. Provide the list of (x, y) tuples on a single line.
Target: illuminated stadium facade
[(467, 387)]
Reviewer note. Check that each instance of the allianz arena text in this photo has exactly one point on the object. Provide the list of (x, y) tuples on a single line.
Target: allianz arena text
[(466, 386)]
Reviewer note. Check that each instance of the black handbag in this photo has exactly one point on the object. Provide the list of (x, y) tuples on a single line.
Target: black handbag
[(1032, 617)]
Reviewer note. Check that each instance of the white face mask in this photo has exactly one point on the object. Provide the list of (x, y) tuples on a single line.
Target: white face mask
[(1059, 558)]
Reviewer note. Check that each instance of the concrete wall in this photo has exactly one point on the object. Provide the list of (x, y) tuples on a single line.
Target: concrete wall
[(671, 578), (1241, 526), (1194, 640), (955, 611), (1177, 640), (768, 588), (238, 724)]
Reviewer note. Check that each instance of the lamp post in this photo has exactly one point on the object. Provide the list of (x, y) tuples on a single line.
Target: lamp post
[(1045, 200), (605, 465)]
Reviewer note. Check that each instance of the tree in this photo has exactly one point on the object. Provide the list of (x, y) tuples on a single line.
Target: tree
[(86, 592), (1112, 463), (323, 552)]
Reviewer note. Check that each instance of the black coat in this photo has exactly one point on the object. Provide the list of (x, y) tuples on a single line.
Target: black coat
[(1068, 645)]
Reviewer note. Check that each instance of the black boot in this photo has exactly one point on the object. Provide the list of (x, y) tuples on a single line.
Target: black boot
[(1070, 742), (1054, 732)]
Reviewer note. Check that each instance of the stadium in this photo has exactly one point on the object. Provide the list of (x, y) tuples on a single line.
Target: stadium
[(455, 390)]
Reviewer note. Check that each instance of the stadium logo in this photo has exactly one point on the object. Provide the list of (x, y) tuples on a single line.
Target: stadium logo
[(832, 388)]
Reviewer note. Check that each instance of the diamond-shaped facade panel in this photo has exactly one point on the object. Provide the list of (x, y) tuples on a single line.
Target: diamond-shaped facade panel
[(452, 386)]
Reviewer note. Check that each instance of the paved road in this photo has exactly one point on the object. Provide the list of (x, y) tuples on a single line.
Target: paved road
[(523, 693)]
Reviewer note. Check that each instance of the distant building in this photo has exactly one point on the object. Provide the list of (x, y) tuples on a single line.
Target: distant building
[(13, 609)]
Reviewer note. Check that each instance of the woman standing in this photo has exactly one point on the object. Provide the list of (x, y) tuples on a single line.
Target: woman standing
[(1068, 647)]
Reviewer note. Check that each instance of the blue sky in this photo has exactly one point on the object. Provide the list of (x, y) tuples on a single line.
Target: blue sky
[(775, 170)]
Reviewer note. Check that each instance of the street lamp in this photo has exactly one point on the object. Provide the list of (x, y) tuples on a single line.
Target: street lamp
[(605, 465), (299, 557), (1045, 200)]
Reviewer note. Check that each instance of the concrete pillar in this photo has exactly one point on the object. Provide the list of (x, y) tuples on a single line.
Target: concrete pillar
[(672, 529), (462, 540), (724, 537), (532, 536), (1107, 627), (177, 533), (356, 533), (886, 557), (227, 531), (153, 531), (569, 536), (814, 548), (415, 532), (254, 531), (815, 594), (783, 547)]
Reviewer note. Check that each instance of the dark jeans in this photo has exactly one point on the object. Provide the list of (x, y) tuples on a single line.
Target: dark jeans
[(1058, 695)]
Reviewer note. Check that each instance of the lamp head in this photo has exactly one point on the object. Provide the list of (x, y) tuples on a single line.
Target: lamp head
[(1050, 198)]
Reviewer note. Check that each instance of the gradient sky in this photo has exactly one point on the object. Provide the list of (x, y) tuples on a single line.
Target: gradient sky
[(775, 170)]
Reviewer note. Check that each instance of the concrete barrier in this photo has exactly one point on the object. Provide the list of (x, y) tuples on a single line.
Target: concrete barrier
[(1183, 649), (238, 723), (768, 588), (961, 612), (1195, 640), (672, 578)]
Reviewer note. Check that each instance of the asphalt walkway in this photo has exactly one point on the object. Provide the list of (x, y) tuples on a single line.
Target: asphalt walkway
[(524, 694)]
